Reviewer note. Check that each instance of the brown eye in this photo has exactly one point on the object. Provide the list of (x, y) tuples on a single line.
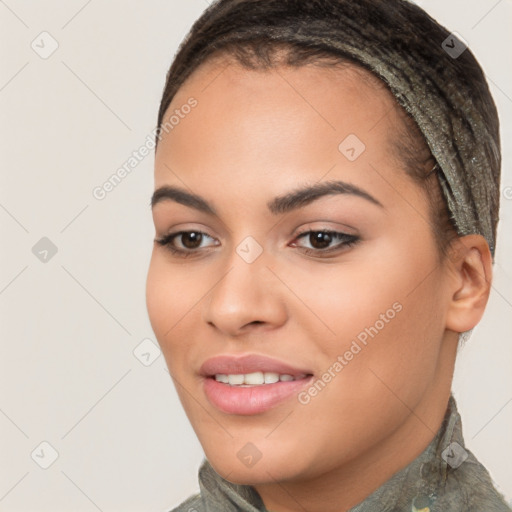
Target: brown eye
[(189, 242), (320, 241), (191, 239)]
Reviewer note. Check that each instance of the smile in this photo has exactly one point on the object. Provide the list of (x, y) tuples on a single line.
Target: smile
[(251, 384)]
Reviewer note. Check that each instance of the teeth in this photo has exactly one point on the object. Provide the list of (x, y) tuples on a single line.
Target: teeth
[(271, 378), (255, 378), (235, 379)]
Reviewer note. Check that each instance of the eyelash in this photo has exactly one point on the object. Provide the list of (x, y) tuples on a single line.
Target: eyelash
[(347, 242)]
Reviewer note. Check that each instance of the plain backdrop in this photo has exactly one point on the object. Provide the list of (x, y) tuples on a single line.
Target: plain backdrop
[(89, 418)]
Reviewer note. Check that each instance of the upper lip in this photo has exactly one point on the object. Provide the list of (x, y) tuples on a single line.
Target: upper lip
[(228, 364)]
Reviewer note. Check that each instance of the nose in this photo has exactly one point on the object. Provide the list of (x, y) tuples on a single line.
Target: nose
[(246, 296)]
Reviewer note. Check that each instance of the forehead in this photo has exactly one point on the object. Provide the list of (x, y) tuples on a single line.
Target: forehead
[(223, 75), (281, 123)]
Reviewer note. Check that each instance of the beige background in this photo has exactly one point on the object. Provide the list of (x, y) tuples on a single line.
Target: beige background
[(69, 376)]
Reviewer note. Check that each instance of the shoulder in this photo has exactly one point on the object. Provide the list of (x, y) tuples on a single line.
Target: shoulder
[(192, 504)]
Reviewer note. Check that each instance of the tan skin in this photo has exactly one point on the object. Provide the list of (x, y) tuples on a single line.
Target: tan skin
[(257, 135)]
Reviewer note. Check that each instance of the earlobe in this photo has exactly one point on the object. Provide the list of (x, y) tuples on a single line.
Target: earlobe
[(471, 263)]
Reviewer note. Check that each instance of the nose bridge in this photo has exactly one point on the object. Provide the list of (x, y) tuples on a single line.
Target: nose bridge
[(244, 280), (245, 266), (245, 292)]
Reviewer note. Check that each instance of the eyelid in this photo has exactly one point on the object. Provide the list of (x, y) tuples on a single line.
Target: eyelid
[(185, 227), (321, 225), (173, 234)]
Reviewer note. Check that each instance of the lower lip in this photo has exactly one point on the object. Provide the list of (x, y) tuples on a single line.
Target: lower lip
[(252, 399)]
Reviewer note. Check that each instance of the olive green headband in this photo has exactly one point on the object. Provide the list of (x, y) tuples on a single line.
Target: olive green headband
[(454, 122)]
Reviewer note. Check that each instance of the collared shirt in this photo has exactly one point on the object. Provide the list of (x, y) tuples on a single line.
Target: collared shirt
[(445, 477)]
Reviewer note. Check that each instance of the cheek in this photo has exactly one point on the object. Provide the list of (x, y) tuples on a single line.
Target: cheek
[(382, 313), (378, 353), (169, 299)]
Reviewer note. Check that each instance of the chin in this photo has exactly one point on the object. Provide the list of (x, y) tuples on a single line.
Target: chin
[(257, 475), (250, 466)]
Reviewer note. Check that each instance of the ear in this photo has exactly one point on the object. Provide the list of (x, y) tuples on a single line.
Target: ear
[(471, 275)]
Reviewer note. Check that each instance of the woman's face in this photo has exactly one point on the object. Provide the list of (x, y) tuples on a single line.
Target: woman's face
[(356, 317)]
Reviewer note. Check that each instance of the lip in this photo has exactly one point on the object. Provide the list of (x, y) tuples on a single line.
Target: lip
[(249, 363), (250, 400)]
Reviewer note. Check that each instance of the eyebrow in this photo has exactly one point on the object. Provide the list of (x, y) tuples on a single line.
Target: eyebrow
[(279, 205)]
